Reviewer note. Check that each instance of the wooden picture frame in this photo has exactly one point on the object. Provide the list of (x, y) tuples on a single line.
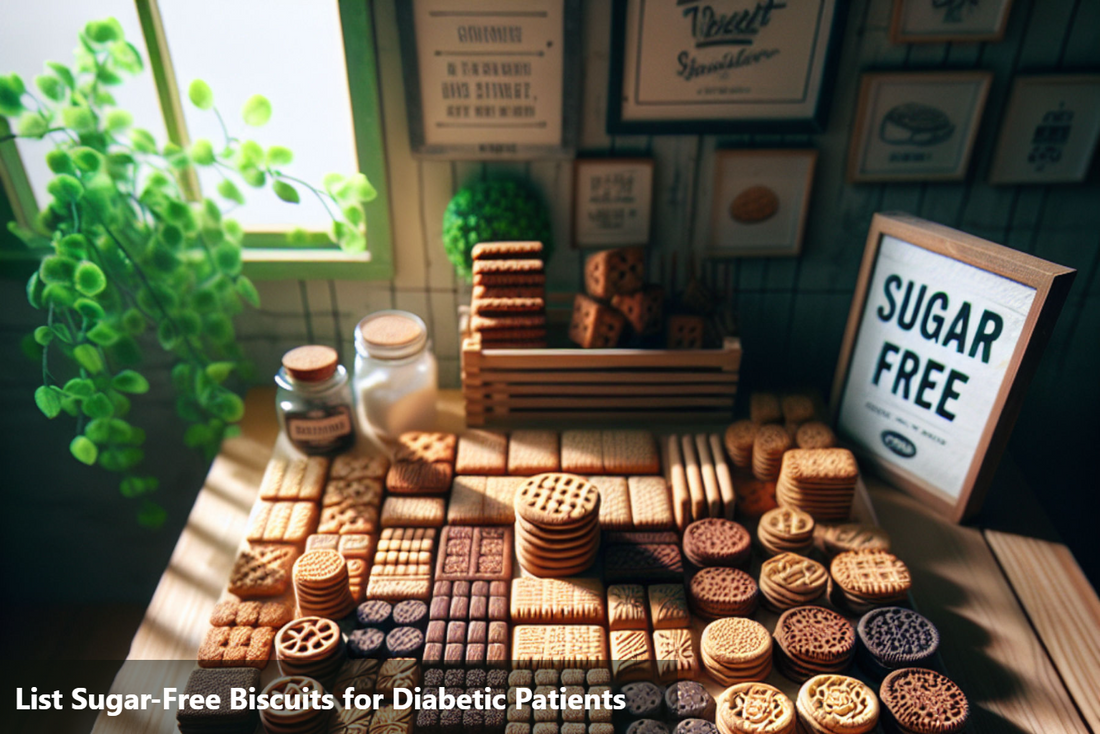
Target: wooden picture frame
[(1049, 131), (612, 201), (760, 202), (502, 79), (697, 77), (911, 436), (956, 22), (916, 126)]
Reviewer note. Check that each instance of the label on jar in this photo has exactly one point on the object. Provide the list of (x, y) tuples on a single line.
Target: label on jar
[(319, 430)]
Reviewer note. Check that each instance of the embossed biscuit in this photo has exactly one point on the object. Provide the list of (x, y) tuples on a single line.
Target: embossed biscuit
[(754, 204), (355, 491), (419, 477), (354, 465), (674, 650), (871, 574), (716, 541), (816, 635), (755, 708), (631, 655), (282, 522), (426, 446), (650, 503), (506, 306), (474, 553), (509, 266), (668, 606), (720, 591), (233, 647), (533, 452), (582, 452), (482, 452), (398, 673), (390, 720), (897, 637), (402, 565), (614, 502), (564, 601), (626, 607), (262, 570), (556, 500), (629, 452), (925, 701), (789, 580), (358, 675), (559, 646), (814, 435), (506, 250), (230, 612), (837, 703), (413, 512), (644, 562), (821, 466), (349, 517)]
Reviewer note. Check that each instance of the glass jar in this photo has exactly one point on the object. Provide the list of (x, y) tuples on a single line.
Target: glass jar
[(396, 377), (313, 400)]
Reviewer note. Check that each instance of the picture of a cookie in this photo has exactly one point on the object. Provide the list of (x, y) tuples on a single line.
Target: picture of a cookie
[(631, 655), (594, 325), (756, 708), (790, 580), (282, 522), (559, 646), (355, 491), (615, 512), (233, 647), (353, 466), (895, 637), (668, 606), (426, 446), (754, 205), (643, 309), (644, 700), (870, 578), (716, 541), (502, 307), (419, 477)]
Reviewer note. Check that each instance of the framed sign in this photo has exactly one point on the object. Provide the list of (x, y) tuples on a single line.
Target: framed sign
[(1050, 130), (722, 66), (760, 202), (917, 126), (944, 334), (943, 21), (612, 201), (487, 79)]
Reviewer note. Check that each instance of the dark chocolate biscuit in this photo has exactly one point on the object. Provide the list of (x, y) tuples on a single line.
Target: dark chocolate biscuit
[(411, 613), (643, 699), (497, 678), (220, 681), (647, 726), (689, 700), (648, 563), (365, 643), (896, 637), (427, 720), (454, 678), (716, 541), (920, 700), (695, 726), (639, 537), (433, 678), (375, 613), (404, 642)]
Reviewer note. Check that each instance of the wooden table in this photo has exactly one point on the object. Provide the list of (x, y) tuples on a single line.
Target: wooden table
[(1020, 622)]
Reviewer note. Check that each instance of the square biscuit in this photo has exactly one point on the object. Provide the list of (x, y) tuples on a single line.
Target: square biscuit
[(650, 503), (424, 446), (533, 452), (357, 491), (668, 606), (262, 570), (282, 521), (482, 452), (674, 650), (631, 655), (611, 272), (419, 477), (626, 607), (413, 512), (594, 325), (582, 452), (467, 500)]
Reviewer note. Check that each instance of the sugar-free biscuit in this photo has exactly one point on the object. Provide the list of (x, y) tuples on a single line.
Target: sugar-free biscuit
[(614, 502), (582, 452), (631, 655), (496, 280), (629, 452), (349, 517), (650, 504), (355, 491), (232, 647), (262, 570), (482, 452), (614, 271), (685, 331), (764, 407), (626, 607), (643, 309), (559, 646), (486, 267), (353, 466), (594, 325), (230, 613), (533, 452), (426, 447), (419, 477), (282, 522), (562, 601), (674, 650), (755, 708), (506, 250)]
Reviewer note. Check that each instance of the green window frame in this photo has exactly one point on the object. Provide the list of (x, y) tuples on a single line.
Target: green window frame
[(266, 255)]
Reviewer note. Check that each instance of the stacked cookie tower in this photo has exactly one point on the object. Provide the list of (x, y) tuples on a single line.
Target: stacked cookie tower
[(321, 585), (865, 579), (310, 646), (736, 650), (813, 640), (508, 309), (786, 530), (557, 524), (821, 482), (789, 580)]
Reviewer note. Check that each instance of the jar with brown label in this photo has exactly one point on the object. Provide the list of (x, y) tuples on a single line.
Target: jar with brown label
[(314, 401)]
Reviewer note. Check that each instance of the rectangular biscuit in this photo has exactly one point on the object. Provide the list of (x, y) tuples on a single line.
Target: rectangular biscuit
[(426, 446), (262, 570), (467, 500), (626, 607), (668, 606), (505, 306), (631, 655), (419, 477), (499, 506), (650, 504), (359, 491), (630, 452), (675, 653), (482, 452), (677, 480), (559, 646), (582, 452), (474, 553), (233, 647), (349, 517), (506, 250), (563, 601), (533, 452), (724, 477), (710, 477), (413, 512), (615, 513), (299, 479), (273, 479), (283, 522), (694, 478), (355, 465), (518, 265), (484, 291), (509, 279)]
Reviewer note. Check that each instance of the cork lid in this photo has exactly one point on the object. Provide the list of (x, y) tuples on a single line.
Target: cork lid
[(391, 334), (312, 363)]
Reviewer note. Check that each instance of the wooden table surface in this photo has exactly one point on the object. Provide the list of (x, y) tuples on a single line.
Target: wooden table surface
[(1019, 620)]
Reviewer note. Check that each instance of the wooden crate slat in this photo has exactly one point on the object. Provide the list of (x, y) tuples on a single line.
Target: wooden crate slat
[(696, 388), (591, 403), (520, 417), (600, 376)]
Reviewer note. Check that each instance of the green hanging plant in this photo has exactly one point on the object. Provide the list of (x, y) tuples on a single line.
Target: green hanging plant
[(128, 253), (492, 211)]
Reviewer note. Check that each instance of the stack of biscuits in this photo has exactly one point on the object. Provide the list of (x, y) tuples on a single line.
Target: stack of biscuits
[(736, 650), (508, 309), (789, 580), (821, 482), (813, 640), (865, 579), (557, 524), (785, 530), (720, 591), (311, 646), (321, 585), (768, 448), (617, 301)]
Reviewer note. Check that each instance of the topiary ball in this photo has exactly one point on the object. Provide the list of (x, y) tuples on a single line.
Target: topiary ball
[(492, 211)]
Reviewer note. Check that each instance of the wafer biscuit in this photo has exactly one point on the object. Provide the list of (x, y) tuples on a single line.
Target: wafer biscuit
[(484, 291), (506, 250)]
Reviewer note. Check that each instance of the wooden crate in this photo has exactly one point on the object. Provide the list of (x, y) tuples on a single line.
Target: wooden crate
[(509, 386)]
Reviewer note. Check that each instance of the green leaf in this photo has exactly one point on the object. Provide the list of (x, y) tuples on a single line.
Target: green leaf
[(354, 214), (219, 371), (79, 387), (88, 357), (256, 111), (177, 211), (43, 335), (120, 402), (126, 56), (228, 257), (11, 93), (103, 31), (229, 407), (87, 159), (333, 182), (277, 155), (51, 86), (202, 152), (63, 73), (74, 246), (200, 94), (131, 382), (151, 515), (59, 161), (62, 332), (35, 286), (98, 406), (246, 290), (233, 229), (361, 188), (89, 309), (65, 188), (253, 176), (47, 401), (218, 328), (80, 119), (286, 192), (83, 450), (230, 191), (133, 321), (143, 141), (31, 125), (102, 334), (171, 235), (118, 120), (58, 294), (89, 279), (57, 269)]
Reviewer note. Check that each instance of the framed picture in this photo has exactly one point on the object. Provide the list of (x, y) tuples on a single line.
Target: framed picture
[(760, 202), (487, 80), (1049, 131), (612, 201), (917, 126), (944, 334), (942, 21), (722, 66)]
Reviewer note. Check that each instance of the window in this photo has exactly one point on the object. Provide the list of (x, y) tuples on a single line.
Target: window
[(299, 55)]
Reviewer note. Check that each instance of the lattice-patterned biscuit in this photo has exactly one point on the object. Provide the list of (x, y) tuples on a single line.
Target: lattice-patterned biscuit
[(838, 703), (650, 503), (402, 565), (561, 601), (556, 500), (482, 452), (230, 613), (282, 522), (668, 606), (582, 452), (413, 512), (629, 452), (626, 607), (614, 502), (559, 646), (262, 570), (674, 650), (815, 634), (872, 574), (533, 452), (631, 655), (233, 647), (426, 447), (349, 517)]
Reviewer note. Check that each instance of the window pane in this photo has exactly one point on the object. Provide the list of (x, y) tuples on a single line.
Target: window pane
[(291, 52), (33, 33)]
